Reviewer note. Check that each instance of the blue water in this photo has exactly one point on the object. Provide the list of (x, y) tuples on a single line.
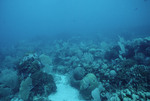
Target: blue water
[(21, 19)]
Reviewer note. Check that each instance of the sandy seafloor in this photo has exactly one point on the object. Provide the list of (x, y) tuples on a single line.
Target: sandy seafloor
[(64, 91)]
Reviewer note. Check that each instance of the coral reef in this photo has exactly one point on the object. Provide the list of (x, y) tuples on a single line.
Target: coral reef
[(34, 81), (115, 71)]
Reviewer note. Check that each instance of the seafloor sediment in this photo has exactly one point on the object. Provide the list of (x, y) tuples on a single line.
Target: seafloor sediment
[(94, 70)]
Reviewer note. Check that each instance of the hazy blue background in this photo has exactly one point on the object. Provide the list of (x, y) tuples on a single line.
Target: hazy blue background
[(21, 19)]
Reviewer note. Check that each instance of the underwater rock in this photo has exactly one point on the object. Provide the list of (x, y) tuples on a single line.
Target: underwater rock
[(28, 57), (29, 65), (87, 85), (43, 83), (75, 83), (77, 76), (79, 73), (112, 73)]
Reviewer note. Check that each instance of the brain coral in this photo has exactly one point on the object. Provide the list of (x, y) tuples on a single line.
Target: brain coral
[(87, 85)]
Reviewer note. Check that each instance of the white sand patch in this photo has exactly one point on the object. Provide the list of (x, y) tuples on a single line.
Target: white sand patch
[(64, 91)]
